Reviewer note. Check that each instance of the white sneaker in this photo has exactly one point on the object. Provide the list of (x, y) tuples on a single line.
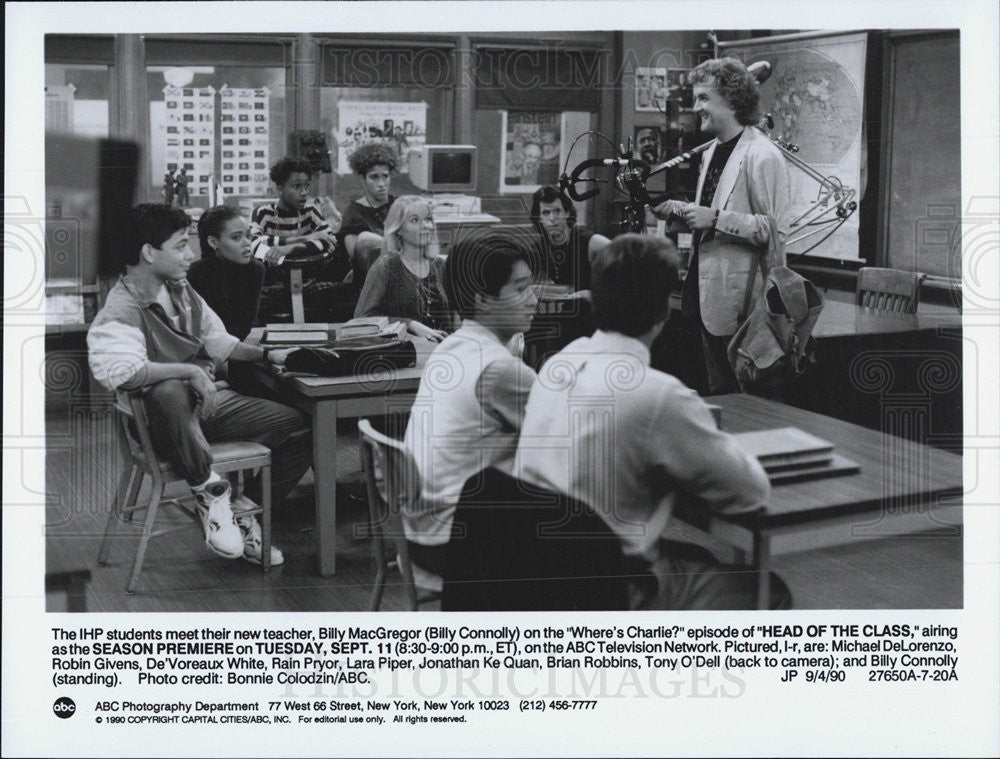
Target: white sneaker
[(222, 536), (253, 548)]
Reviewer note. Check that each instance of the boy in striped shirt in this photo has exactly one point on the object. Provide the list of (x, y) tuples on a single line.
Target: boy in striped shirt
[(291, 228)]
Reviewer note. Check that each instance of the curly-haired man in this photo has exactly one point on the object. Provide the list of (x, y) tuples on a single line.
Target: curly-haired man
[(739, 211)]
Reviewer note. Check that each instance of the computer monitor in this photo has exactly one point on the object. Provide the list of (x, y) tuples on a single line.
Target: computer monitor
[(443, 168)]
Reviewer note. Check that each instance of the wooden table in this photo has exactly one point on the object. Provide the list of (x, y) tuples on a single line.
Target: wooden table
[(840, 319), (327, 399), (896, 476)]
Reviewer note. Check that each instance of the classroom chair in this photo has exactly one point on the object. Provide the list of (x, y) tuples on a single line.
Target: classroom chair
[(392, 480), (518, 547), (137, 450), (888, 290)]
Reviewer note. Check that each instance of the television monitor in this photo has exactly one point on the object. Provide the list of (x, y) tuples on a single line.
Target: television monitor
[(443, 168)]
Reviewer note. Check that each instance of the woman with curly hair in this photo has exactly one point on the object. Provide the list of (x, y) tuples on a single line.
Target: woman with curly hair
[(364, 219), (405, 282)]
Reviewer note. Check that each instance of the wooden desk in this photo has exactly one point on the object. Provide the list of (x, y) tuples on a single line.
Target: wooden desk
[(840, 320), (897, 476), (327, 399)]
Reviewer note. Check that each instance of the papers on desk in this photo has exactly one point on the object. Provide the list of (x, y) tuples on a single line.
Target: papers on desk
[(789, 454)]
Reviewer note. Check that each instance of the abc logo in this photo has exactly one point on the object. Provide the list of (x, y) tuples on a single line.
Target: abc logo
[(64, 708)]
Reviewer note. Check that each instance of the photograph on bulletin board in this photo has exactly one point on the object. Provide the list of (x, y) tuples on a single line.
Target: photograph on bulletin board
[(650, 89), (532, 144), (676, 81)]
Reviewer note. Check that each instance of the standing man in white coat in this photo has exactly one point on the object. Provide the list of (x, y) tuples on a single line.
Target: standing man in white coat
[(739, 212)]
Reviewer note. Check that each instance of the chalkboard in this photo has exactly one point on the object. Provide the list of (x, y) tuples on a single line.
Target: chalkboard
[(923, 191)]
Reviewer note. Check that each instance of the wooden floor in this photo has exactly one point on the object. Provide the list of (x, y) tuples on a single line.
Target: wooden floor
[(180, 574)]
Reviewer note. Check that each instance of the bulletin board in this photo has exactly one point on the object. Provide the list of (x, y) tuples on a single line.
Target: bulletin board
[(923, 157)]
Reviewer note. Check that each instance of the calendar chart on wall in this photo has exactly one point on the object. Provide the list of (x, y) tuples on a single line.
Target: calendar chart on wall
[(190, 134), (244, 132)]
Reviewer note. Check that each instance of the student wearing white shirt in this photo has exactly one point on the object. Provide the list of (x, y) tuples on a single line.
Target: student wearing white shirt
[(605, 428), (471, 398)]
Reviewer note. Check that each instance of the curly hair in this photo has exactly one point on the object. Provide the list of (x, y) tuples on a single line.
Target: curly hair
[(370, 155), (284, 168), (211, 224), (737, 85)]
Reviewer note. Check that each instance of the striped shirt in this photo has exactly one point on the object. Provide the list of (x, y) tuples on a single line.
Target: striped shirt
[(271, 225), (133, 330)]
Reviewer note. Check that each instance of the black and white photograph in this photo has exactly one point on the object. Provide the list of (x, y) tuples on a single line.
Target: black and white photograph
[(483, 377)]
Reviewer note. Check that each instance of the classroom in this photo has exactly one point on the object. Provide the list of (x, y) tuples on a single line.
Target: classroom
[(695, 296)]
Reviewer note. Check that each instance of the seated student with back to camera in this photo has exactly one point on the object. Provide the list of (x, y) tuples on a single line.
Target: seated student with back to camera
[(405, 281), (472, 393), (294, 227), (156, 335), (603, 427), (360, 237)]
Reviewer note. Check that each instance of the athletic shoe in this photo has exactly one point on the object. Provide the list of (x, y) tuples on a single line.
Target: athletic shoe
[(253, 548), (222, 536)]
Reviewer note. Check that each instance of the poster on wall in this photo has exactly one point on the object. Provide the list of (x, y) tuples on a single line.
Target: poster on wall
[(814, 96), (649, 143), (650, 89), (59, 107), (533, 142), (403, 126), (244, 122), (189, 135)]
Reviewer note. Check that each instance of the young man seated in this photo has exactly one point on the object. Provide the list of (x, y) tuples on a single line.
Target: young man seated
[(472, 393), (291, 228), (603, 427), (564, 248), (156, 335)]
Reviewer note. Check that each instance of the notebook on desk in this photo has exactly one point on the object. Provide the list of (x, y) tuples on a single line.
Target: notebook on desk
[(789, 454), (783, 445), (835, 466)]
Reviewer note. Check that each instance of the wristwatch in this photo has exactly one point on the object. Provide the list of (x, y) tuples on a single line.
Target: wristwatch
[(267, 352)]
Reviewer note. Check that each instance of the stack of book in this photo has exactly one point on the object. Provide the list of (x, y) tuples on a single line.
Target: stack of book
[(370, 330), (789, 454), (308, 334)]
